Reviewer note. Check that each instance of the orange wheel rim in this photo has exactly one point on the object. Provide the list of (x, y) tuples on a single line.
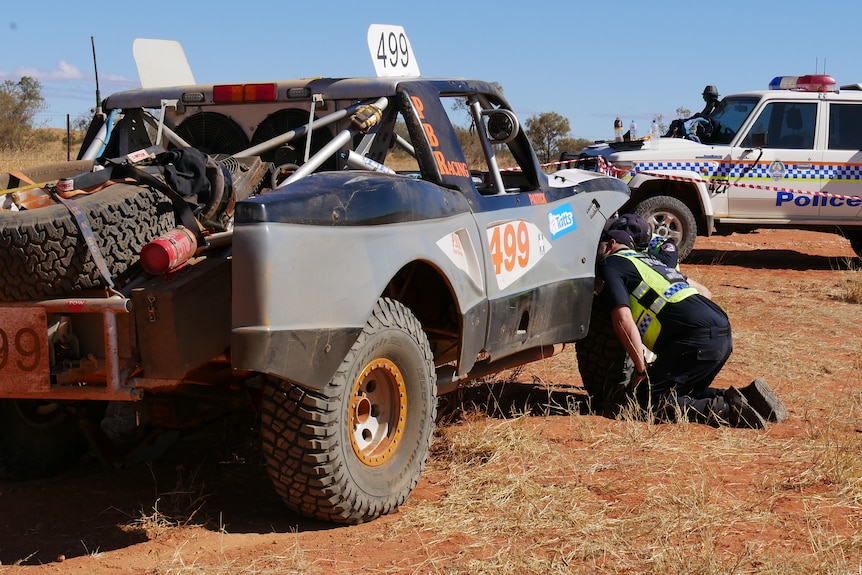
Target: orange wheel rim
[(378, 412)]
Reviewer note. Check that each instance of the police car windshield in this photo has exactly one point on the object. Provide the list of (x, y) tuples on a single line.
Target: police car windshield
[(729, 115)]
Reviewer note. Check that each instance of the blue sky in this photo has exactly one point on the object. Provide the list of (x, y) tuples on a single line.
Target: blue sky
[(589, 61)]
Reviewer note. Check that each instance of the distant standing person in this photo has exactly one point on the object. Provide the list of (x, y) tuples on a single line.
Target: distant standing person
[(653, 304)]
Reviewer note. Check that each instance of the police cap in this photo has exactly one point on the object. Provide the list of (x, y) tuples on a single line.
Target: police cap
[(630, 230)]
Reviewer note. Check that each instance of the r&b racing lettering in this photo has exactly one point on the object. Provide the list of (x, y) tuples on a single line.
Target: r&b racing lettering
[(814, 200), (450, 168), (446, 167), (432, 137)]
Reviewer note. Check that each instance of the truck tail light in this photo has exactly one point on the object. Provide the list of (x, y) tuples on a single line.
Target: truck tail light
[(226, 93)]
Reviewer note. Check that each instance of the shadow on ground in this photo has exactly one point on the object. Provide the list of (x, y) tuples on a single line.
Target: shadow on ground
[(506, 398), (770, 259), (213, 477)]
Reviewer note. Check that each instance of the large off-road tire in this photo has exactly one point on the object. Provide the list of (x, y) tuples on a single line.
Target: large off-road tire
[(671, 218), (43, 254), (39, 438), (856, 243), (605, 367), (354, 450)]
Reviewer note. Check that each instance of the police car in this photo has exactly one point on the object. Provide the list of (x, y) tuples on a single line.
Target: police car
[(786, 157)]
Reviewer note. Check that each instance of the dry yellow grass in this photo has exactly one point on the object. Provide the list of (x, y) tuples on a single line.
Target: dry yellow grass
[(49, 152), (634, 498)]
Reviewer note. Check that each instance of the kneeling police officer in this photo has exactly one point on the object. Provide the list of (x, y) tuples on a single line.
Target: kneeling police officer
[(653, 305)]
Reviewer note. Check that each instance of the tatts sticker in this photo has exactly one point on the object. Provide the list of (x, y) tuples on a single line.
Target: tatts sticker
[(561, 221)]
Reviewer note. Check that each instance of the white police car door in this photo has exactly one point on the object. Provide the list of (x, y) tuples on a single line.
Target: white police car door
[(779, 179), (841, 176)]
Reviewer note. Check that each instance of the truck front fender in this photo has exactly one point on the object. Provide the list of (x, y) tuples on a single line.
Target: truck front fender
[(309, 265)]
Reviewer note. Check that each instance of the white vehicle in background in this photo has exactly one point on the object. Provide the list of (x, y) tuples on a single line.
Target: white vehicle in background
[(785, 157)]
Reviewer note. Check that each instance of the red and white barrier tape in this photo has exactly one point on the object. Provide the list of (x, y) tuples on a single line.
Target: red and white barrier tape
[(605, 167), (559, 163)]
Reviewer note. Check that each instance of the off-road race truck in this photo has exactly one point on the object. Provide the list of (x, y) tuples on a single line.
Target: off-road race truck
[(786, 157), (248, 246)]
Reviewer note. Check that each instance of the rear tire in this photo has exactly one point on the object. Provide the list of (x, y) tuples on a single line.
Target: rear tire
[(43, 254), (354, 450), (669, 217), (39, 438), (605, 367)]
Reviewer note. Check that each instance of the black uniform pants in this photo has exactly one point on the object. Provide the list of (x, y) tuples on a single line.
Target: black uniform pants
[(680, 378)]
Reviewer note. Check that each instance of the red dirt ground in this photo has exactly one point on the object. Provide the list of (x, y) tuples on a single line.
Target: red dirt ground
[(89, 520)]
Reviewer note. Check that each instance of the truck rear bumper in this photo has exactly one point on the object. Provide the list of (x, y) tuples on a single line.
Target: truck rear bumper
[(25, 370)]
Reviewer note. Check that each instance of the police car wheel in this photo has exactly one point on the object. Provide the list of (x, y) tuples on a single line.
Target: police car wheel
[(856, 243), (671, 218), (355, 450)]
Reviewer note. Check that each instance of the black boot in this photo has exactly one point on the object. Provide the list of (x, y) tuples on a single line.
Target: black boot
[(763, 399), (742, 414)]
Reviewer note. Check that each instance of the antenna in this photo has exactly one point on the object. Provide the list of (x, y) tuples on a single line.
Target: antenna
[(817, 65), (96, 69)]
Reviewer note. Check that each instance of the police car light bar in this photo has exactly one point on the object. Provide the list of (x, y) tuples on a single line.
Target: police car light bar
[(807, 83)]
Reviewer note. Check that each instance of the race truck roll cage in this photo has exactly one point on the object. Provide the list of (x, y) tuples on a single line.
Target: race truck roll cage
[(122, 380)]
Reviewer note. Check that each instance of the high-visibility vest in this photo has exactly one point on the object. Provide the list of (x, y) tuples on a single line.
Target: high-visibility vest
[(660, 285)]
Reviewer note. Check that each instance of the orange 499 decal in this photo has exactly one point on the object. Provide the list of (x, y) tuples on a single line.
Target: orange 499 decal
[(516, 246)]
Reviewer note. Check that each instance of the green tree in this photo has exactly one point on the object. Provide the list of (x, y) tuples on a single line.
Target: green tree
[(572, 145), (20, 102), (545, 131)]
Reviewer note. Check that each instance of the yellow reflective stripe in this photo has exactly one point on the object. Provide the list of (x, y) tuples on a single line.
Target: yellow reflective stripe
[(658, 304), (640, 290)]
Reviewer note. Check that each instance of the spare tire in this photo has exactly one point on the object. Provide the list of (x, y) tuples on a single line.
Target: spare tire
[(43, 253)]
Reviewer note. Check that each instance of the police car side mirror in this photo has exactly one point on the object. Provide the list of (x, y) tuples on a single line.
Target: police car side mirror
[(759, 139)]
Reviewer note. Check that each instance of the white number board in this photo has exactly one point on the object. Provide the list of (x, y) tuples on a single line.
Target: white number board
[(391, 52)]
